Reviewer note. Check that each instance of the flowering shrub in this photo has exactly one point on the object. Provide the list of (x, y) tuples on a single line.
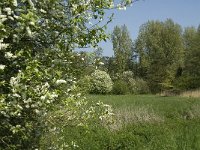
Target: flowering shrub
[(29, 99), (36, 41), (101, 82), (72, 118)]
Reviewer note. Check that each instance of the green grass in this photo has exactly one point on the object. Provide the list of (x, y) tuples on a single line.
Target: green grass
[(143, 122), (151, 122), (169, 107)]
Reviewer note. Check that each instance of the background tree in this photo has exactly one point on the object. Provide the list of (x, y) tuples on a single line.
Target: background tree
[(122, 47), (190, 78), (160, 49)]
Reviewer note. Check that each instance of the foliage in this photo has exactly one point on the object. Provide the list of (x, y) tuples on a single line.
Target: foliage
[(101, 82), (120, 87), (66, 124), (139, 86), (122, 47), (191, 71), (127, 83), (84, 85), (36, 43), (160, 49)]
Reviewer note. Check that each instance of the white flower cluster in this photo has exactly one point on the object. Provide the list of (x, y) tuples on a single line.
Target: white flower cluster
[(26, 96), (2, 67), (15, 3), (121, 7), (10, 55), (61, 81), (3, 45)]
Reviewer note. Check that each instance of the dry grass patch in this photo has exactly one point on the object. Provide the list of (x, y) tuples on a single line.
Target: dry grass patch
[(193, 113), (132, 115), (194, 93)]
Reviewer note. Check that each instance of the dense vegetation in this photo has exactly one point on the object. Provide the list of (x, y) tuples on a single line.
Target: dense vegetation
[(43, 79), (164, 55), (143, 122), (38, 66)]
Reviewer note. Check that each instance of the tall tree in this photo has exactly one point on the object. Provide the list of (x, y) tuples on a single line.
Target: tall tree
[(122, 46), (160, 49)]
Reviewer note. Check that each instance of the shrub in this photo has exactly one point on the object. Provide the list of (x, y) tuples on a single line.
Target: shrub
[(127, 74), (101, 82), (128, 84), (84, 85), (120, 88), (69, 127), (137, 86), (142, 86)]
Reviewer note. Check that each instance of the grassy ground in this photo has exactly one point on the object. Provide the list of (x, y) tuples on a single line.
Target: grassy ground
[(152, 122), (167, 107), (143, 122)]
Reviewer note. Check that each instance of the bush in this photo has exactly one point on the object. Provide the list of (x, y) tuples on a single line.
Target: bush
[(84, 85), (120, 88), (142, 86), (101, 82), (128, 84), (72, 127)]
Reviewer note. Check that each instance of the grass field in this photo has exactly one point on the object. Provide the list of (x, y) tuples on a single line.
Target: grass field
[(142, 122), (153, 122)]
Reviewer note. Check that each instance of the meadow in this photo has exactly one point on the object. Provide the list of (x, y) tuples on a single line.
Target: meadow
[(146, 122)]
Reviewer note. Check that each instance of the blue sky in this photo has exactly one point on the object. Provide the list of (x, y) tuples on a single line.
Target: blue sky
[(184, 12)]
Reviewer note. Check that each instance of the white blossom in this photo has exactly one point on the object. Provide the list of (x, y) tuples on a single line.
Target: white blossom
[(43, 97), (15, 3), (37, 111), (9, 55), (3, 16), (8, 10), (2, 67), (27, 106), (101, 63), (3, 19), (28, 30), (13, 81), (11, 18), (3, 45), (61, 81), (43, 11), (54, 95), (16, 95), (48, 102), (31, 23)]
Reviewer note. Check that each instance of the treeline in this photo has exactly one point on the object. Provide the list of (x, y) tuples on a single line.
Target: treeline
[(164, 57)]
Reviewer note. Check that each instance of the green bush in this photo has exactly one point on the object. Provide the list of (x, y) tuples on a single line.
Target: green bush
[(84, 85), (120, 88), (126, 83), (142, 86), (101, 82)]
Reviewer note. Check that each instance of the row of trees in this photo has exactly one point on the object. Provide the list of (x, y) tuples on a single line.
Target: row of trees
[(164, 55)]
